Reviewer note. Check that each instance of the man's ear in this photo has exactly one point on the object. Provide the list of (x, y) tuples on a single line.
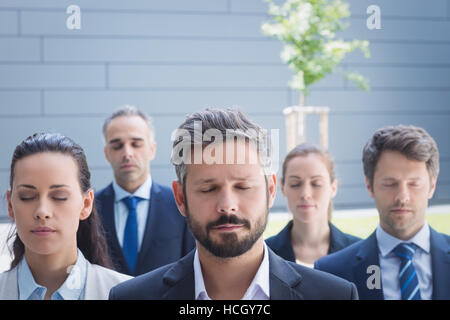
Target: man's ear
[(272, 185), (10, 209), (88, 203), (432, 187), (179, 197), (369, 187), (105, 151), (152, 150)]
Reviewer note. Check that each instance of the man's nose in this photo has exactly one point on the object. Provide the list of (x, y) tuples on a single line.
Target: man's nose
[(127, 151), (402, 196), (227, 203)]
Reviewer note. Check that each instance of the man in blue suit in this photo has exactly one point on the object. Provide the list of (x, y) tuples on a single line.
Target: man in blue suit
[(404, 258), (225, 190), (143, 226)]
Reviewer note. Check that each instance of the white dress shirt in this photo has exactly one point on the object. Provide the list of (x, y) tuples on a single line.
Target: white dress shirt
[(305, 264), (71, 289), (121, 210), (259, 289), (390, 263)]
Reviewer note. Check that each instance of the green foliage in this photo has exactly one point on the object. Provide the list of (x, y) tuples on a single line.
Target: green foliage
[(308, 30)]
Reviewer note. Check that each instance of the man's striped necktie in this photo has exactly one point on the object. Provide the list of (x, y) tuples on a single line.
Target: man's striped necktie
[(409, 284)]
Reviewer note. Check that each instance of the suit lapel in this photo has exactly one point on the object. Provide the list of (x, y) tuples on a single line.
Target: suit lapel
[(108, 214), (282, 279), (181, 283), (366, 256), (180, 279), (337, 241), (285, 245), (152, 228), (440, 264)]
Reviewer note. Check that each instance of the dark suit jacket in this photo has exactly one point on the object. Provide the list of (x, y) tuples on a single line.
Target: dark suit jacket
[(288, 281), (282, 246), (351, 264), (166, 238)]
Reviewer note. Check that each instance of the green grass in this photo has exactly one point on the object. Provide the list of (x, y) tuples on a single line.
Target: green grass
[(363, 227)]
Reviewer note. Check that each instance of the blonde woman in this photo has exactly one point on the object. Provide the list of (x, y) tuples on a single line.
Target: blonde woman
[(309, 184)]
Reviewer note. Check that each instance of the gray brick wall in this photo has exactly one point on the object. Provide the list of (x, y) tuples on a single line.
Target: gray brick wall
[(173, 57)]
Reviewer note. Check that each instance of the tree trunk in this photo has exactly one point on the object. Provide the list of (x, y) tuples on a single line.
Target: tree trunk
[(302, 99)]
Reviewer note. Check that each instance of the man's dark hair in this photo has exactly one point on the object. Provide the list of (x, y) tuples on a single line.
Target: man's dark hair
[(229, 122), (412, 142)]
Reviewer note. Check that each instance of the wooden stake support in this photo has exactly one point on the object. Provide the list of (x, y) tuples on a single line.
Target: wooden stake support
[(296, 125)]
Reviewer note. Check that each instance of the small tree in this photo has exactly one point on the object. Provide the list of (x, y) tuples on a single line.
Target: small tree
[(308, 30)]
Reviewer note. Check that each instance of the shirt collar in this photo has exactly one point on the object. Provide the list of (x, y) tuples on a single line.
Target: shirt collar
[(200, 290), (27, 285), (142, 192), (387, 243), (71, 289), (260, 282)]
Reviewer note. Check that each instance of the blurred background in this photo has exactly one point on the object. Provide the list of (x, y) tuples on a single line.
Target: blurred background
[(174, 57)]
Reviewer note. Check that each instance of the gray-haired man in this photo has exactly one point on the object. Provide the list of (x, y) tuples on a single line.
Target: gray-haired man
[(143, 226)]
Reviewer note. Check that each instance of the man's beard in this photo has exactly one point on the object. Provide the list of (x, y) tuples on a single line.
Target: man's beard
[(230, 245)]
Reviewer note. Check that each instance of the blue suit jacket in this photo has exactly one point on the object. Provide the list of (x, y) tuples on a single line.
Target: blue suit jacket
[(282, 246), (351, 264), (288, 281), (166, 238)]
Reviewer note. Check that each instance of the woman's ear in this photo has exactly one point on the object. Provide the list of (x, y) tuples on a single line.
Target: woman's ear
[(282, 187), (88, 204), (334, 188), (10, 209)]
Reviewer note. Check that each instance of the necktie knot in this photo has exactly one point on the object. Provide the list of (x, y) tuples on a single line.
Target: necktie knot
[(405, 250), (131, 202)]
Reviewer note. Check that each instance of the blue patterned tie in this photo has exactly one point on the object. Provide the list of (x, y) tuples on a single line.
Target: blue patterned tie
[(130, 239), (409, 285)]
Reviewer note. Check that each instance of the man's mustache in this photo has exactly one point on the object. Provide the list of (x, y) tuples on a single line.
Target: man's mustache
[(228, 219)]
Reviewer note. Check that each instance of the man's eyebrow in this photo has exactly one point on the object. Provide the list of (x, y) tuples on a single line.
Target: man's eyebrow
[(313, 177), (203, 181), (247, 178), (118, 140), (212, 180), (114, 140), (389, 179)]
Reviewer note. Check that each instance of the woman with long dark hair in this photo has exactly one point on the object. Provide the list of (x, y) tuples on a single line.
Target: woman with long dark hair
[(59, 250)]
